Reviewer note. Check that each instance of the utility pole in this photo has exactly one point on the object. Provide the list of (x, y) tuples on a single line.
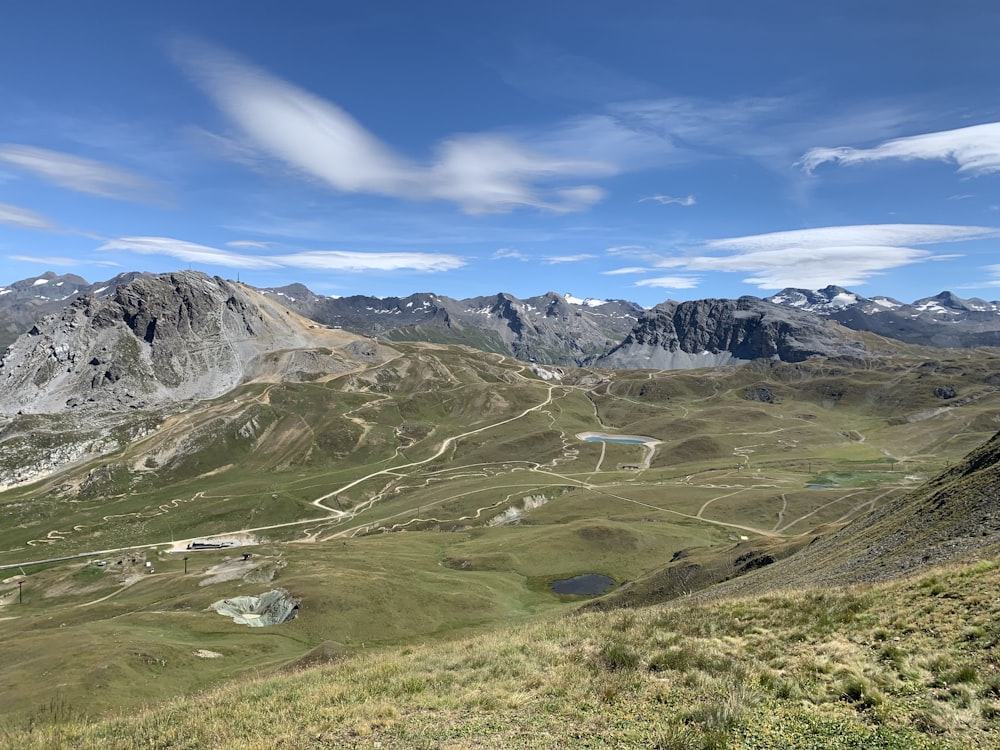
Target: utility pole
[(185, 565), (20, 596)]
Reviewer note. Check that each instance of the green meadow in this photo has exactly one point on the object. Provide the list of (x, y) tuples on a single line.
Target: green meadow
[(432, 498)]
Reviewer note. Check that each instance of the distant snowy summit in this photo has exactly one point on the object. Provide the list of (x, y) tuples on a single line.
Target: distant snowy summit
[(828, 299), (942, 320), (833, 298), (588, 302)]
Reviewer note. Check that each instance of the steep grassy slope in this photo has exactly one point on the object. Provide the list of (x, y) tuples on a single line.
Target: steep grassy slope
[(953, 514), (903, 665)]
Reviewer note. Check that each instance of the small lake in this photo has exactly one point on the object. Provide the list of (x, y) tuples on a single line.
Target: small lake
[(603, 437), (589, 584), (631, 441)]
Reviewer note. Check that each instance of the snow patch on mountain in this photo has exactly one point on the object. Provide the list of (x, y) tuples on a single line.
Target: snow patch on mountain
[(587, 302)]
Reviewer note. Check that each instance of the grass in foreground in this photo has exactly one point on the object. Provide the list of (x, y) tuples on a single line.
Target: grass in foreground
[(904, 665)]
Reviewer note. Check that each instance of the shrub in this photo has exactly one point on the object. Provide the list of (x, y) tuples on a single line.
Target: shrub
[(617, 654)]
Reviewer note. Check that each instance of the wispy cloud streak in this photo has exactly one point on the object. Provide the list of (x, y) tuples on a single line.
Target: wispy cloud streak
[(325, 260), (671, 282), (81, 174), (666, 200), (627, 270), (975, 149), (508, 253), (813, 258), (482, 173), (48, 260), (557, 259), (23, 218)]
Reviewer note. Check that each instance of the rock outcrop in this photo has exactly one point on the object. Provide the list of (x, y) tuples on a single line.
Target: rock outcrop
[(25, 302), (715, 332), (155, 340)]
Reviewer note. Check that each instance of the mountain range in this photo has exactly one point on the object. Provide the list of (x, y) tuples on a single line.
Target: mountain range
[(554, 329), (400, 488), (942, 320)]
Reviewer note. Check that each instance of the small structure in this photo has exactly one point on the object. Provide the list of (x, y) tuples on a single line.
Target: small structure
[(209, 545)]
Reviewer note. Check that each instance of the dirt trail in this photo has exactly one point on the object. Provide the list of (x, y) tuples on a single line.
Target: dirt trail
[(129, 582), (445, 445)]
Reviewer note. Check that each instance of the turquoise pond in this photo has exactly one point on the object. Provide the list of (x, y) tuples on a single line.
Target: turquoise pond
[(631, 441)]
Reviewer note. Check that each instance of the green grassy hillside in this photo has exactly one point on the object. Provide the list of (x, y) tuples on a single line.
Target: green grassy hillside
[(432, 495), (902, 665)]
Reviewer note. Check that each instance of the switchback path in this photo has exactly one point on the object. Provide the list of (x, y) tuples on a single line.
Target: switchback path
[(333, 514), (445, 445)]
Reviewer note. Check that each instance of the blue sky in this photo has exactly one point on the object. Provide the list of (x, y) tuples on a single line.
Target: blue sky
[(644, 151)]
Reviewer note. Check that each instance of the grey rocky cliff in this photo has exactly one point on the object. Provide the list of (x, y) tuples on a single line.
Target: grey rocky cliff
[(547, 328), (156, 340), (25, 302), (714, 332)]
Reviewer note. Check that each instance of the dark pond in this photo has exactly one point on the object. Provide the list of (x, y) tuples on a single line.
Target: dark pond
[(590, 584)]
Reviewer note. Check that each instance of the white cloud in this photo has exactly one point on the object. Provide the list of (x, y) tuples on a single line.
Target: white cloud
[(626, 249), (47, 260), (639, 134), (993, 271), (667, 200), (345, 260), (975, 149), (508, 252), (186, 251), (23, 218), (556, 259), (249, 244), (629, 269), (326, 260), (481, 173), (813, 258), (80, 174), (671, 282), (871, 234)]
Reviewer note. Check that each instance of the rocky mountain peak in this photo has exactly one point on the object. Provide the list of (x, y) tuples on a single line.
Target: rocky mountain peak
[(557, 306), (823, 300), (155, 340), (711, 332), (293, 293), (952, 302), (48, 286)]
